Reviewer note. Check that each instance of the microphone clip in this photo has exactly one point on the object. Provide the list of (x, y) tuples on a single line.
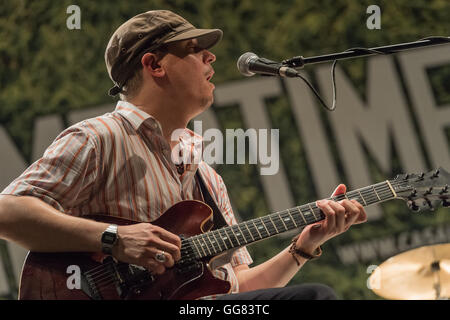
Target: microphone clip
[(295, 62)]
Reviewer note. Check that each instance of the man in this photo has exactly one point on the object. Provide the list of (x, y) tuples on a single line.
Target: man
[(121, 164)]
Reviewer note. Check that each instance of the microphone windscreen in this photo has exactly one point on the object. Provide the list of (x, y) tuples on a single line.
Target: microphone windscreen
[(243, 63)]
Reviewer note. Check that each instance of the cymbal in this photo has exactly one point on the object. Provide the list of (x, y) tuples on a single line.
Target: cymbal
[(418, 274)]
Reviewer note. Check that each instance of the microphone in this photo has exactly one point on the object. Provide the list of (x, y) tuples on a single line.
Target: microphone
[(250, 64)]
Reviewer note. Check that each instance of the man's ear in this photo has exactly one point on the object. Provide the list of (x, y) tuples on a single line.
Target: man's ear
[(151, 63)]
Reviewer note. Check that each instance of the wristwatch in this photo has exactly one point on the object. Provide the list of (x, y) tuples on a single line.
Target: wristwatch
[(109, 239)]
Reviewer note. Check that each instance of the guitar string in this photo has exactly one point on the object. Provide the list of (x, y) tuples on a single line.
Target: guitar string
[(382, 193), (106, 274), (369, 199), (105, 278), (273, 230), (96, 270), (99, 271), (280, 213), (272, 223), (109, 278)]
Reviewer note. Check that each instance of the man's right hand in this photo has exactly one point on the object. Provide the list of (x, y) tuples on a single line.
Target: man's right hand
[(139, 243)]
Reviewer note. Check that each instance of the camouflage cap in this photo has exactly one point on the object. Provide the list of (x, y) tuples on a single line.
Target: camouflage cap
[(144, 33)]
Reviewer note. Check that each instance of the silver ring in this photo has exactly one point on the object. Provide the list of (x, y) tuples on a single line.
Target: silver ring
[(160, 257)]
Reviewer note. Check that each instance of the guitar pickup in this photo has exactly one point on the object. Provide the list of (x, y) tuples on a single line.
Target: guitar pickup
[(187, 268)]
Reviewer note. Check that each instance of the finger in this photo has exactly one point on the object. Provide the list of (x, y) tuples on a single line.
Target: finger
[(352, 212), (168, 236), (168, 247), (339, 216), (169, 260), (330, 219), (362, 217)]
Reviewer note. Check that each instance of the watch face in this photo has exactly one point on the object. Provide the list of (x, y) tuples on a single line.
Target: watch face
[(109, 238)]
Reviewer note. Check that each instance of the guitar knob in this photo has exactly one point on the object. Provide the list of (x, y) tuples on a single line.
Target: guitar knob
[(429, 190)]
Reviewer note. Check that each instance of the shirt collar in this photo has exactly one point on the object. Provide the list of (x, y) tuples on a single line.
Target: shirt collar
[(136, 116)]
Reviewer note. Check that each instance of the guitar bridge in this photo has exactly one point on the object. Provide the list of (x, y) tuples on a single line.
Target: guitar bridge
[(125, 278), (133, 278)]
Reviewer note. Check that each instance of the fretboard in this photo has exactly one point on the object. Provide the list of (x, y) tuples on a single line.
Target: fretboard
[(220, 240)]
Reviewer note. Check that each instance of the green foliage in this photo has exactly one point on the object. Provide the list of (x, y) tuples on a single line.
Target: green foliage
[(46, 68)]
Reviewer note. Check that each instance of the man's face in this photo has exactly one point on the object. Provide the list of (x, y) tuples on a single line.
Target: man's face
[(188, 69)]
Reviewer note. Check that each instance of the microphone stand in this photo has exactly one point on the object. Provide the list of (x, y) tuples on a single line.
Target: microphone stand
[(300, 61)]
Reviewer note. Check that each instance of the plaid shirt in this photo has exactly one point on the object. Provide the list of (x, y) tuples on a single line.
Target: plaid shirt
[(119, 164)]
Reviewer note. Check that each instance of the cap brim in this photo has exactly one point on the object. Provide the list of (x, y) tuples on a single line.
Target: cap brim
[(207, 38)]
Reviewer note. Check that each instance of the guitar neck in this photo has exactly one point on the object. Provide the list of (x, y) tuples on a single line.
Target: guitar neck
[(220, 240)]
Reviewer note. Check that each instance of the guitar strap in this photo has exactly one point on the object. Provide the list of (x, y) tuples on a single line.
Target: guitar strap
[(218, 219)]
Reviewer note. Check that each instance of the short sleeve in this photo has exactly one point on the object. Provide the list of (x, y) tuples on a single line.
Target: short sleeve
[(65, 175)]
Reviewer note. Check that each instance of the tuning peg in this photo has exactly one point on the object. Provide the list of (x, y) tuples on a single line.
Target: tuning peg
[(436, 173), (414, 207), (421, 176), (430, 206), (444, 189), (429, 190), (413, 193)]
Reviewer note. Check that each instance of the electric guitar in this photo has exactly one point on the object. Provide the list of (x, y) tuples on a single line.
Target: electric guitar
[(50, 275)]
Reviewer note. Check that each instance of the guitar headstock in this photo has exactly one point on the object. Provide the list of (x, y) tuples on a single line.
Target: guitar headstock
[(425, 191)]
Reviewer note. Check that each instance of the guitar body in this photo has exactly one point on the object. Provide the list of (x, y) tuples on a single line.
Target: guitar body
[(52, 276)]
